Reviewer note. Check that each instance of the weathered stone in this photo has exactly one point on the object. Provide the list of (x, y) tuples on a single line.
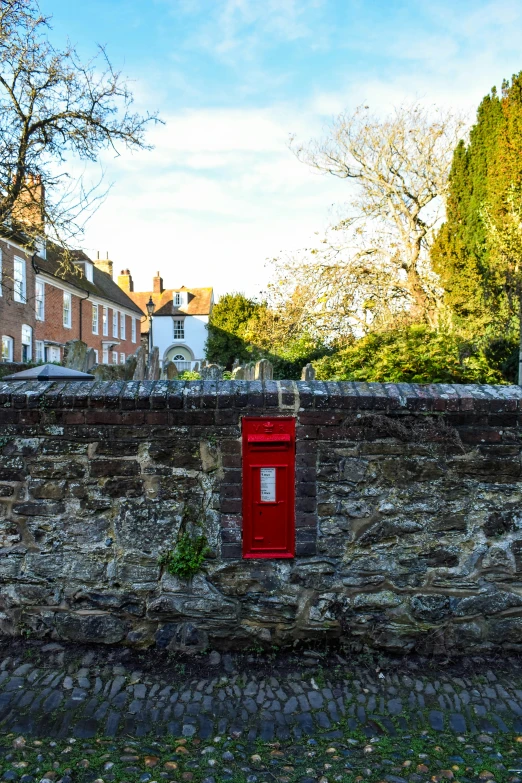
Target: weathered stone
[(487, 603), (308, 373), (141, 364), (170, 371), (430, 608), (264, 370), (75, 355), (152, 373), (85, 627), (211, 372)]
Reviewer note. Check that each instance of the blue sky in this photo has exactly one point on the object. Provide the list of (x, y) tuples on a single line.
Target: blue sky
[(232, 79)]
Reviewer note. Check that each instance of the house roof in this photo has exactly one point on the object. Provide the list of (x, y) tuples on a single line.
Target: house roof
[(102, 286), (199, 301)]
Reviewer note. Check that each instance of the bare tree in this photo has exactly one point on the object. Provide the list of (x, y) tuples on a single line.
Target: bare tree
[(378, 263), (54, 108)]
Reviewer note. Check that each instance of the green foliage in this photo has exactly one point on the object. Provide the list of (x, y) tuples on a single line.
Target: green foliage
[(187, 557), (418, 354), (243, 329), (189, 375), (479, 282), (225, 329)]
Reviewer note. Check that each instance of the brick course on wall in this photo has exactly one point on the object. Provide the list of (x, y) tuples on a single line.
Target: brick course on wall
[(408, 521)]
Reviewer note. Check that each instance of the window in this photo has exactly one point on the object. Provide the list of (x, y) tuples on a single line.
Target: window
[(95, 319), (177, 300), (96, 355), (7, 348), (67, 315), (179, 329), (114, 323), (40, 300), (133, 330), (122, 358), (122, 326), (0, 271), (115, 357), (39, 351), (27, 343), (105, 356), (19, 292), (105, 320)]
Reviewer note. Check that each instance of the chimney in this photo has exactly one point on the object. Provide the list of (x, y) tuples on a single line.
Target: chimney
[(29, 208), (103, 264), (125, 281), (157, 284)]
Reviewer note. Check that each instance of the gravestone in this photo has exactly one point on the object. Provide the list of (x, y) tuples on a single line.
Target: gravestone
[(238, 373), (308, 373), (90, 359), (75, 355), (264, 370), (212, 372), (141, 364), (104, 372), (152, 372), (170, 371), (130, 366)]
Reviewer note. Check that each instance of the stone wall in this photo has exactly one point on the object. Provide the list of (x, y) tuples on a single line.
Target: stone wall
[(408, 515)]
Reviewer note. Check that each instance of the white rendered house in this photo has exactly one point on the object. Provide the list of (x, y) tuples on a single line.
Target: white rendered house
[(179, 322)]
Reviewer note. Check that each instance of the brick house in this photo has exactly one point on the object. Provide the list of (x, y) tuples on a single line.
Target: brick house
[(41, 308)]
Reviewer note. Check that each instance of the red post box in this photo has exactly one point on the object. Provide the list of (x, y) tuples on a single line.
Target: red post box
[(268, 487)]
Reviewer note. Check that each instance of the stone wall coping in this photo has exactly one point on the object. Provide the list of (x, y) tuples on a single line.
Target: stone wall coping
[(281, 396)]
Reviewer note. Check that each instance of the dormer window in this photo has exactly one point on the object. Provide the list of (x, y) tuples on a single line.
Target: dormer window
[(178, 299)]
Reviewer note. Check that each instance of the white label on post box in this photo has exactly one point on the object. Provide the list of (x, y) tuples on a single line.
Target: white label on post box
[(268, 485)]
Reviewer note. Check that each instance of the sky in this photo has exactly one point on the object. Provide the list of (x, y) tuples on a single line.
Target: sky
[(233, 80)]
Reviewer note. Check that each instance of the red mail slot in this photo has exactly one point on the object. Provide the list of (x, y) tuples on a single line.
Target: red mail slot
[(268, 487)]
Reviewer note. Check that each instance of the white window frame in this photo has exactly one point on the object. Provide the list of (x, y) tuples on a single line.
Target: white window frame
[(39, 351), (178, 300), (20, 281), (67, 310), (105, 356), (105, 321), (7, 348), (122, 326), (39, 295), (115, 357), (95, 355), (133, 329), (95, 317), (178, 329), (122, 358), (115, 323), (28, 333)]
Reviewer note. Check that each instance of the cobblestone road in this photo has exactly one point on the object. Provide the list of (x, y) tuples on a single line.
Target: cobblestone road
[(43, 692)]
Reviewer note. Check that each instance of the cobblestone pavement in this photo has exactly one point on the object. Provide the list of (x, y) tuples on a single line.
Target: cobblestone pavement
[(49, 691)]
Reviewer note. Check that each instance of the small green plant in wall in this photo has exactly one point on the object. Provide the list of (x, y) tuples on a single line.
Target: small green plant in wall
[(187, 557)]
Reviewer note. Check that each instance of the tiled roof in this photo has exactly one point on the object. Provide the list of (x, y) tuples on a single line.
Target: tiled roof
[(102, 285), (199, 301)]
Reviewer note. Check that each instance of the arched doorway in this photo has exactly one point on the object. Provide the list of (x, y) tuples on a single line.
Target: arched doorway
[(181, 355)]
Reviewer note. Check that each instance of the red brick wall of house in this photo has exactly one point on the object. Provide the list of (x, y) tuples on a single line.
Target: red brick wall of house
[(52, 327), (14, 314)]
